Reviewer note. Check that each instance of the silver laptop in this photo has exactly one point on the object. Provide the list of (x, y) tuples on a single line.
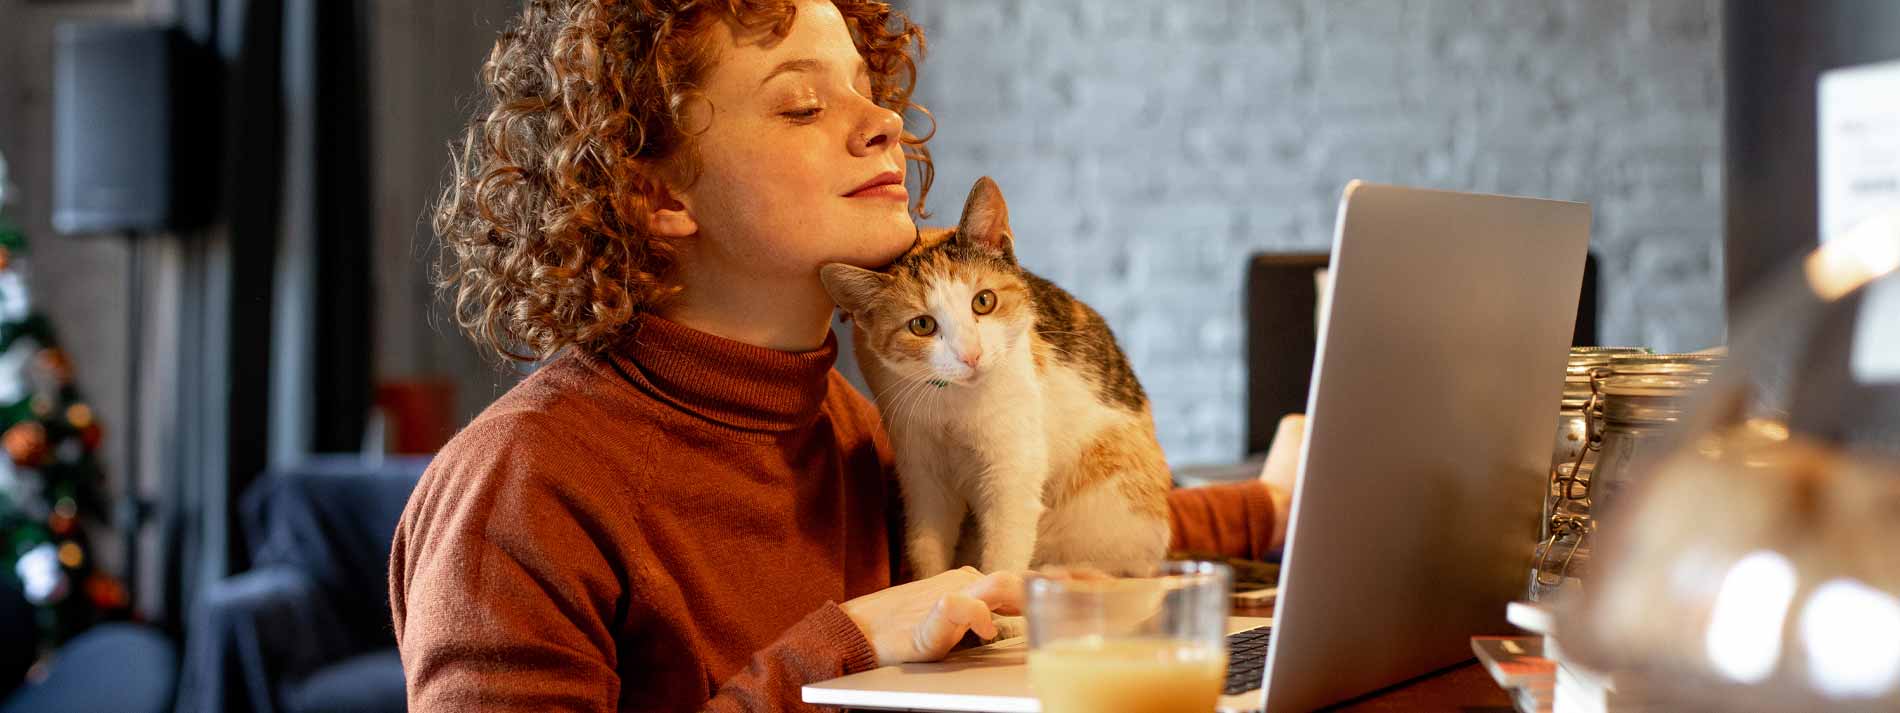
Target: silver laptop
[(1441, 351)]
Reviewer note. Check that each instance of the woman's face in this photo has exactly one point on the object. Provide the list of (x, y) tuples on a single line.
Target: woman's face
[(788, 136)]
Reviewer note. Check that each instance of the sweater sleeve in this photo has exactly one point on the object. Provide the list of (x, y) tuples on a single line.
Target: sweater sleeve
[(824, 645), (1231, 519), (503, 595)]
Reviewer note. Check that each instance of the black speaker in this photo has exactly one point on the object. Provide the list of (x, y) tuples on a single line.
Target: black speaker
[(123, 148)]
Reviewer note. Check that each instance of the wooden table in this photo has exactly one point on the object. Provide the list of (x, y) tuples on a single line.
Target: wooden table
[(1465, 688)]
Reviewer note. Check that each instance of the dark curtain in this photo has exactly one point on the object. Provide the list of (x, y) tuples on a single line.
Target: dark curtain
[(218, 436), (342, 362), (264, 57)]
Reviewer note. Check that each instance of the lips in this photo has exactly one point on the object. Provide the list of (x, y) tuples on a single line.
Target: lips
[(888, 184)]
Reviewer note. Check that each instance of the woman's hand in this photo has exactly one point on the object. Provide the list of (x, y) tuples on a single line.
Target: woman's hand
[(921, 620), (1282, 469)]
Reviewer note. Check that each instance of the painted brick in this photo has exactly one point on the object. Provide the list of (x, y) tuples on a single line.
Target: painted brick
[(1149, 146)]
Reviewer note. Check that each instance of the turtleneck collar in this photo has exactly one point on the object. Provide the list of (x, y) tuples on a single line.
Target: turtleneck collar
[(744, 386)]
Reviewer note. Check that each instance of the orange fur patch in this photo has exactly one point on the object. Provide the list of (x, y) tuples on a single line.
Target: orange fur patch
[(1127, 458)]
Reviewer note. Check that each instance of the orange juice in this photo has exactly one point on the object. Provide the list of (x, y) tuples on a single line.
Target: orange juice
[(1095, 675)]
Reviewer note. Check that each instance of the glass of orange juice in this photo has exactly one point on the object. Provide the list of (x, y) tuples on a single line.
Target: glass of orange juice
[(1129, 639)]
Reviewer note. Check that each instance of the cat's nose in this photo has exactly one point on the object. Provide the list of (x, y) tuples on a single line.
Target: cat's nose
[(970, 357)]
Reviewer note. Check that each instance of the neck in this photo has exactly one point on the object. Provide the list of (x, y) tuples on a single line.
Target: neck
[(787, 316)]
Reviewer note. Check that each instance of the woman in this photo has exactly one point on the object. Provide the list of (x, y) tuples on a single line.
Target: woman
[(686, 507)]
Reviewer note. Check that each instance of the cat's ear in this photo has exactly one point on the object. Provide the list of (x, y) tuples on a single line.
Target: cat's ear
[(985, 222), (851, 287)]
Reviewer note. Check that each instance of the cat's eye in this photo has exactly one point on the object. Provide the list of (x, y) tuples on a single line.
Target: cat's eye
[(984, 302), (923, 326)]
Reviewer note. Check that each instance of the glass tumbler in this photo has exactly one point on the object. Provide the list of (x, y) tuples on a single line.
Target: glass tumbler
[(1145, 638)]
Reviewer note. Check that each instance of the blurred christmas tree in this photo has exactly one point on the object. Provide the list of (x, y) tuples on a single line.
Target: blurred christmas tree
[(50, 479)]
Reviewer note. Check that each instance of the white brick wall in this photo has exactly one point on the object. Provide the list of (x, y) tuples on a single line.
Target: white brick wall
[(1147, 147)]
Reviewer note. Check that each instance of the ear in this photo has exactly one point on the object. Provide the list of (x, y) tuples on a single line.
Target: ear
[(851, 287), (671, 218), (985, 222)]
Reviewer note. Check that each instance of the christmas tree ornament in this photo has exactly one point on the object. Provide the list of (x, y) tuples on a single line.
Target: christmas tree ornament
[(54, 361), (79, 415), (41, 578), (105, 592), (91, 436), (71, 554), (26, 443)]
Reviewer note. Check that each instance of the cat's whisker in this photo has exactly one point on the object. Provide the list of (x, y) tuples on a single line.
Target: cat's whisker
[(907, 391), (903, 383), (918, 396)]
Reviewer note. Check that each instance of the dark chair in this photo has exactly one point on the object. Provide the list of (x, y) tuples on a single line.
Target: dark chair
[(116, 667), (307, 629)]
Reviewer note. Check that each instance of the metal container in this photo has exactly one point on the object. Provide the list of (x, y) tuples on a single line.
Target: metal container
[(1572, 430), (1641, 399), (1631, 400)]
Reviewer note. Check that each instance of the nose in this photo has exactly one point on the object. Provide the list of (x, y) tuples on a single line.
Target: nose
[(880, 129), (970, 356)]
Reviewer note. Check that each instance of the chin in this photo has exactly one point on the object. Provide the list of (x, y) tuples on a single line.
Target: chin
[(874, 250)]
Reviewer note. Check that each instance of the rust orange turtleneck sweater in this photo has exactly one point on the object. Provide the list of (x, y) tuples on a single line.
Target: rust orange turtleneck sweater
[(669, 527)]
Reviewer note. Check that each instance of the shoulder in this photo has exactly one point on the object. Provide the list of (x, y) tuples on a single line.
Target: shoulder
[(529, 452)]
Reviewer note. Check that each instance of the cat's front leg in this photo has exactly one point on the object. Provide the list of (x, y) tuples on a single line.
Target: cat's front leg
[(933, 514), (1008, 505)]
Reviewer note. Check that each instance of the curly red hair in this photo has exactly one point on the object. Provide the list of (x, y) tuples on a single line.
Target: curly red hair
[(543, 225)]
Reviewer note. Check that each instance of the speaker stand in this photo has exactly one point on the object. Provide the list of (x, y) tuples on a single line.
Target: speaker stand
[(129, 512)]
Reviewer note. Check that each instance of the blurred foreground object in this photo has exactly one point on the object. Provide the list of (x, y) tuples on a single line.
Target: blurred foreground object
[(1748, 565)]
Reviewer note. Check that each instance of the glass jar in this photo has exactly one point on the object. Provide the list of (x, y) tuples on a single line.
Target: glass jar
[(1631, 397), (1572, 431), (1642, 396), (1561, 532)]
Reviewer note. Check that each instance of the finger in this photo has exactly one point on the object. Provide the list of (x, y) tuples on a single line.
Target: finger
[(946, 622), (1001, 592)]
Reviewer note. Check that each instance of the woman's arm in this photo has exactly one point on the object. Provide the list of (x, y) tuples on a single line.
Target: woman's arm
[(826, 644), (502, 600), (508, 588), (1246, 519)]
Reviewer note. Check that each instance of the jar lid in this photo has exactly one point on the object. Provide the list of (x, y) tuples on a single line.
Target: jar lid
[(1583, 359), (1642, 362), (1659, 383), (1649, 398)]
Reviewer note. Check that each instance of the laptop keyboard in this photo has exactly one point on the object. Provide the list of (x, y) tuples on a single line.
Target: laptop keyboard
[(1246, 656)]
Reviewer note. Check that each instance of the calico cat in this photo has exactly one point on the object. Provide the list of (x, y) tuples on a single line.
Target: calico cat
[(1007, 401)]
